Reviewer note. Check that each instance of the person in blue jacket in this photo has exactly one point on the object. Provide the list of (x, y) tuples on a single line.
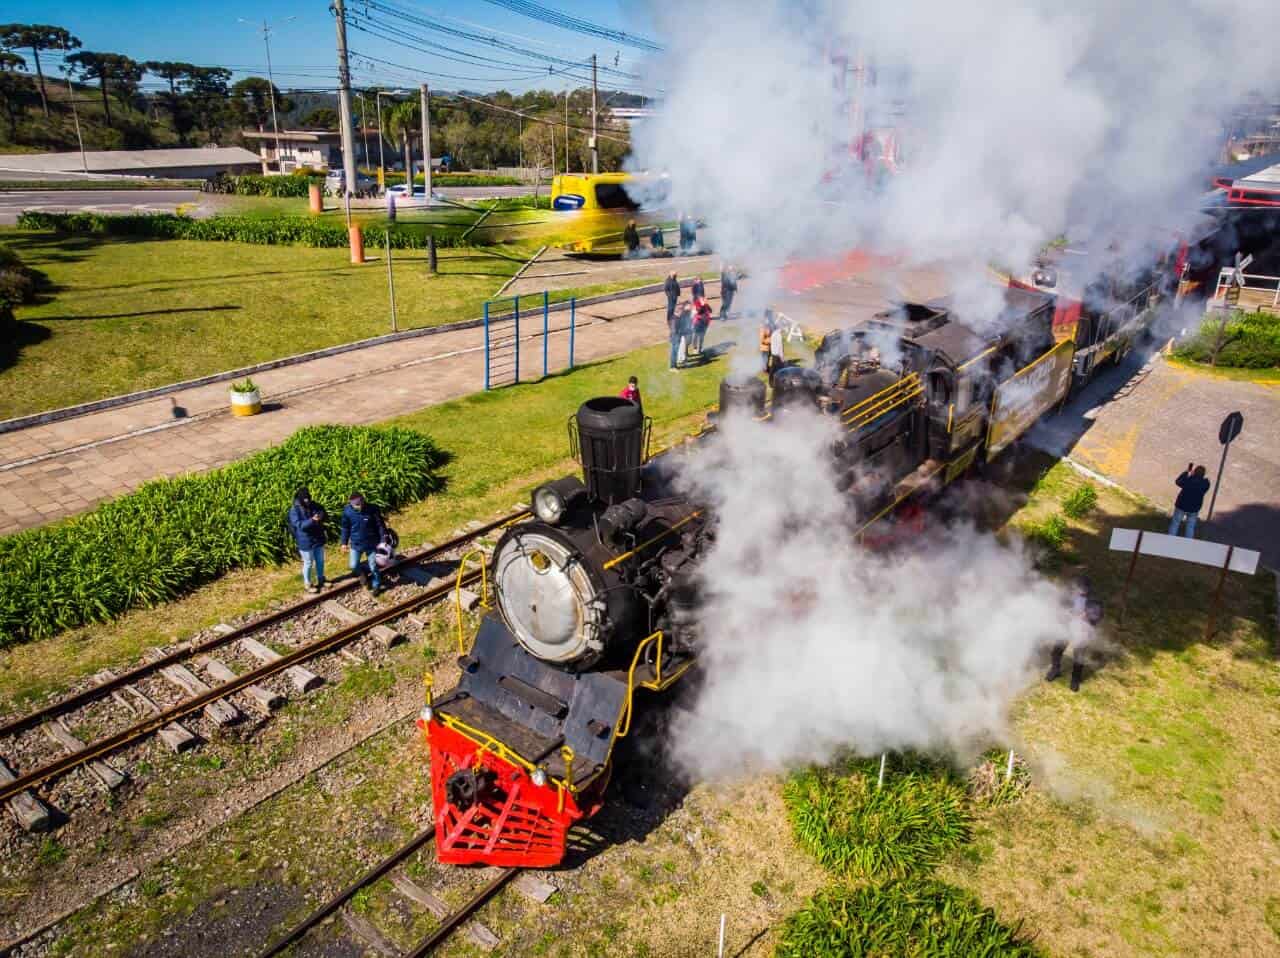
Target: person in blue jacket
[(306, 521), (1192, 486), (362, 529)]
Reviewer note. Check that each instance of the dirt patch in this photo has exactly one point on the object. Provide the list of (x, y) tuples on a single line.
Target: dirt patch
[(239, 919)]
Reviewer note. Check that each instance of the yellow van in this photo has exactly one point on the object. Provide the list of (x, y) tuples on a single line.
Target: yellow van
[(601, 207)]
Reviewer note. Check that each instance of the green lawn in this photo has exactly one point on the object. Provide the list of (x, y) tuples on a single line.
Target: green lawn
[(122, 315)]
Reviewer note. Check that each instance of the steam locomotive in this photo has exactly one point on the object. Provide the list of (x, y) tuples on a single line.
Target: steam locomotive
[(596, 596)]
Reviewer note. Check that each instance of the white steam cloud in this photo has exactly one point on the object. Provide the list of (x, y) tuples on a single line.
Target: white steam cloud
[(812, 644), (1018, 120)]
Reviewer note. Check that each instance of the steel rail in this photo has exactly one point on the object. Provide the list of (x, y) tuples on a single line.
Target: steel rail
[(451, 923), (117, 682), (139, 730), (296, 933)]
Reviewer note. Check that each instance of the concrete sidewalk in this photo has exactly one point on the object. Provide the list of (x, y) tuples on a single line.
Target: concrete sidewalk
[(55, 470)]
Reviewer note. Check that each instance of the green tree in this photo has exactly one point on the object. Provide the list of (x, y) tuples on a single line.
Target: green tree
[(207, 92), (321, 118), (109, 69), (36, 37), (251, 102), (175, 73), (13, 88), (402, 120)]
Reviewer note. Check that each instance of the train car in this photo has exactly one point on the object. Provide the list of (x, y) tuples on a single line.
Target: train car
[(596, 207), (595, 597)]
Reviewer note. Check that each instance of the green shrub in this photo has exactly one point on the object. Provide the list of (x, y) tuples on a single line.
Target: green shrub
[(256, 184), (856, 829), (1050, 533), (1250, 341), (922, 919), (17, 283), (264, 231), (1080, 502), (173, 534), (456, 179)]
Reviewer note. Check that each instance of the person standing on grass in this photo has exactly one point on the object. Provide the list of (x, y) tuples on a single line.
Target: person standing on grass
[(1086, 613), (631, 392), (362, 530), (728, 289), (1192, 485), (672, 288), (306, 521), (701, 320)]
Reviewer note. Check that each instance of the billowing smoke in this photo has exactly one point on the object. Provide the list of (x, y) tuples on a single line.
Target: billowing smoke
[(812, 644), (1017, 121)]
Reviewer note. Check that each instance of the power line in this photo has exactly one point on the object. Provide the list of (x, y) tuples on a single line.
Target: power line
[(555, 18)]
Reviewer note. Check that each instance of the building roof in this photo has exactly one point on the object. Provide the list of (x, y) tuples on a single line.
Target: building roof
[(1266, 179), (297, 136), (140, 160)]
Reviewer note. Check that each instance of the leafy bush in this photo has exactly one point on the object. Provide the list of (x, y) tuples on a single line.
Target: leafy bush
[(456, 179), (919, 918), (1050, 534), (248, 386), (173, 534), (856, 829), (1080, 502), (1250, 341), (17, 283), (256, 184), (265, 231)]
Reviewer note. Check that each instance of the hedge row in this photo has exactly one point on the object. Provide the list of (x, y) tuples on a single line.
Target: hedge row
[(174, 534), (1250, 341), (457, 179), (265, 231), (256, 184)]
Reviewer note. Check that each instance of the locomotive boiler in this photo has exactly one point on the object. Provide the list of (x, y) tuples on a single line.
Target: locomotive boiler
[(594, 599)]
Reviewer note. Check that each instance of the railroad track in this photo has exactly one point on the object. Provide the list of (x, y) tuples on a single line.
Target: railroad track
[(450, 920), (211, 698)]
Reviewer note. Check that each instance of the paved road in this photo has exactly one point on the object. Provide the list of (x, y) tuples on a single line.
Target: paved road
[(1142, 423), (97, 201)]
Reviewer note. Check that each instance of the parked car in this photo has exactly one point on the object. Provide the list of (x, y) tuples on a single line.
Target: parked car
[(335, 179)]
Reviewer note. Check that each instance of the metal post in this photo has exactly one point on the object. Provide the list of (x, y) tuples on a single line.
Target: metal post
[(486, 347), (595, 149), (1222, 464), (391, 284), (382, 166), (1124, 592), (546, 320), (426, 144), (516, 340), (344, 98), (75, 114), (364, 130), (880, 780), (573, 326), (1217, 596), (271, 92)]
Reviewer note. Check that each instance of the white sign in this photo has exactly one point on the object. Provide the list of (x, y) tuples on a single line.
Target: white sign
[(1188, 550), (1243, 263)]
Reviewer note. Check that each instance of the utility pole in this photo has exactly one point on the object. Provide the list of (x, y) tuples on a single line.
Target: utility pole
[(344, 98), (566, 130), (595, 150), (71, 95), (426, 145), (271, 85), (364, 130)]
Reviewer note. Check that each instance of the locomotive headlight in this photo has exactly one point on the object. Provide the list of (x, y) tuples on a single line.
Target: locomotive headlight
[(427, 713), (539, 777), (552, 500)]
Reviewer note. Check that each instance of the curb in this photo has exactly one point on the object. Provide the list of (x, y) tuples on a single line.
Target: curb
[(127, 399)]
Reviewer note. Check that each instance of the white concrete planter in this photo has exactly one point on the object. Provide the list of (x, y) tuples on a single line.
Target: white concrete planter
[(246, 404)]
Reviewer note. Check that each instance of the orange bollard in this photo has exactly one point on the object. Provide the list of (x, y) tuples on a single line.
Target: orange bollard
[(356, 239), (317, 198)]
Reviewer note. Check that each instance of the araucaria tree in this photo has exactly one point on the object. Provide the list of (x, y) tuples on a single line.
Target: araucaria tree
[(36, 37), (121, 72)]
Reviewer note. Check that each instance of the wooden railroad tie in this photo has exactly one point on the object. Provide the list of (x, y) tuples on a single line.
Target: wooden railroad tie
[(265, 699), (363, 929), (177, 737), (534, 888), (221, 713), (104, 772), (302, 679), (476, 931), (341, 612), (30, 812)]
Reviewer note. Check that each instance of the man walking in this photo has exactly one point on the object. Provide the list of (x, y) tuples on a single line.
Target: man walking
[(728, 289), (306, 521), (1193, 486), (631, 237), (1086, 613), (362, 529), (672, 288)]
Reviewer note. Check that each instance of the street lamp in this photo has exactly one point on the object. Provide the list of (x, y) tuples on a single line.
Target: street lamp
[(382, 167), (271, 83), (364, 129)]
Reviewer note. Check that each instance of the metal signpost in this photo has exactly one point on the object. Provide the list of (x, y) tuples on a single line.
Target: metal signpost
[(1227, 433)]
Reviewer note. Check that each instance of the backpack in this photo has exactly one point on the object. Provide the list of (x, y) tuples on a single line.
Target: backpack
[(391, 538)]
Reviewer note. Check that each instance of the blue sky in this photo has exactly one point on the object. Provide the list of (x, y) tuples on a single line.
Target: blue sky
[(303, 49)]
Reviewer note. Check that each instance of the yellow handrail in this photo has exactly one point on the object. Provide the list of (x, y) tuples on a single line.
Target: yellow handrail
[(865, 416), (457, 591), (624, 715), (644, 545), (911, 379)]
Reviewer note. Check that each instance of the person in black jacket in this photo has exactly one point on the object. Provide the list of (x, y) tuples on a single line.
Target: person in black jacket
[(306, 521), (362, 529), (631, 236), (699, 289), (1192, 485), (672, 288), (728, 289)]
